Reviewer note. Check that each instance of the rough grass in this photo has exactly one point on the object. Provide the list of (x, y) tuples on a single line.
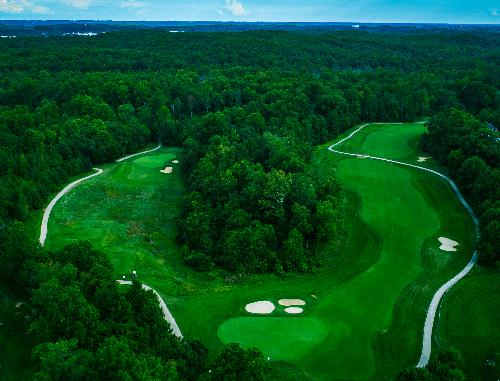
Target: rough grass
[(365, 309), (469, 322)]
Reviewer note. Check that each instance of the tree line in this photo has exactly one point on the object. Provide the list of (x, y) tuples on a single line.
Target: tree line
[(248, 109), (470, 150)]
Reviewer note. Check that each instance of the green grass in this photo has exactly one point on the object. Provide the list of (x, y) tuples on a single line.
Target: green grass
[(365, 308), (285, 338), (470, 322)]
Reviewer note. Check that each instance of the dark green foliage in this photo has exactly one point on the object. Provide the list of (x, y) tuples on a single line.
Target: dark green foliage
[(236, 363), (471, 151), (448, 365), (87, 330), (247, 109)]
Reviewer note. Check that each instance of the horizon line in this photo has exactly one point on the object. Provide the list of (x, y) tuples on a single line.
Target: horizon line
[(262, 22)]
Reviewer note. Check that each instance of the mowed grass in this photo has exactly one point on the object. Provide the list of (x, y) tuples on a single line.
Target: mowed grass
[(470, 322), (365, 308), (286, 338), (128, 212)]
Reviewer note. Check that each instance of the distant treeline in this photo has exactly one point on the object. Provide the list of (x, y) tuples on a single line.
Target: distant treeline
[(247, 108)]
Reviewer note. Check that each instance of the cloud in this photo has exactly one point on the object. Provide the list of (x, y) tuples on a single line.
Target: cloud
[(495, 12), (83, 4), (20, 6), (131, 4), (11, 6), (236, 8), (40, 9)]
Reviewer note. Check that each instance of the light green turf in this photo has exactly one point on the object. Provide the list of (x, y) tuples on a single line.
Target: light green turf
[(155, 161), (470, 318), (280, 338), (365, 308)]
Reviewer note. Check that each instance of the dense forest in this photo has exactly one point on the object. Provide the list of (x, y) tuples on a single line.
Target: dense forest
[(470, 150), (247, 108)]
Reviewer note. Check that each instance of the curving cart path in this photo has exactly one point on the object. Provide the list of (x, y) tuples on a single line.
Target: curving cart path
[(43, 235), (166, 313), (431, 312), (48, 209), (137, 154)]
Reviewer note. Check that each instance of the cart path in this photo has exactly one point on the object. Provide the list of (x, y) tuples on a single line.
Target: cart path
[(137, 154), (43, 236), (436, 299), (48, 209), (166, 312)]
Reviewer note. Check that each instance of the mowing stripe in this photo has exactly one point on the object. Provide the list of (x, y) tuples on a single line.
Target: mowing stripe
[(431, 312)]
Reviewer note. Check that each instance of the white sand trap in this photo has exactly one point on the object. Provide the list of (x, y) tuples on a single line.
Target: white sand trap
[(448, 244), (263, 307), (175, 161), (421, 159), (167, 170), (291, 302), (294, 310)]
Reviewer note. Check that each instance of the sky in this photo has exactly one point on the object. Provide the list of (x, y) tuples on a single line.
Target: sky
[(422, 11)]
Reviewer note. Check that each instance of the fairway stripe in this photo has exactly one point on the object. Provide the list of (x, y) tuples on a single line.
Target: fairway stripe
[(431, 312)]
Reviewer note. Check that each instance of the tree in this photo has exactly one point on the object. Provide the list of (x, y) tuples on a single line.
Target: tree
[(63, 360), (236, 363)]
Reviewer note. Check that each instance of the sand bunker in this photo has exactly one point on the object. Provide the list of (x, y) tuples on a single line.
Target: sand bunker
[(421, 159), (291, 302), (448, 244), (175, 161), (294, 310), (167, 170), (262, 307)]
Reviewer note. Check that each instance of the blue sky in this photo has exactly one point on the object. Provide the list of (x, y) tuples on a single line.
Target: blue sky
[(450, 11)]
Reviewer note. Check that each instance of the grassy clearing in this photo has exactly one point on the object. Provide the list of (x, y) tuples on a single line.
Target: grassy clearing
[(365, 309)]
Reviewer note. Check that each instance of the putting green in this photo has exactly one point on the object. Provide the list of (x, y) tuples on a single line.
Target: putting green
[(279, 338), (365, 308), (155, 161)]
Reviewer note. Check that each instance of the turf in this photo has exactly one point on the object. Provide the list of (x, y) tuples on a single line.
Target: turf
[(365, 308), (469, 322), (285, 338)]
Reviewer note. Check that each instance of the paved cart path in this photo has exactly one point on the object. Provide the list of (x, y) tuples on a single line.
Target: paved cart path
[(45, 220), (166, 313), (431, 312)]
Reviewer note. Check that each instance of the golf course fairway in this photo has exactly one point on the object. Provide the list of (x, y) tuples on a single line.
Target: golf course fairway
[(365, 308)]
